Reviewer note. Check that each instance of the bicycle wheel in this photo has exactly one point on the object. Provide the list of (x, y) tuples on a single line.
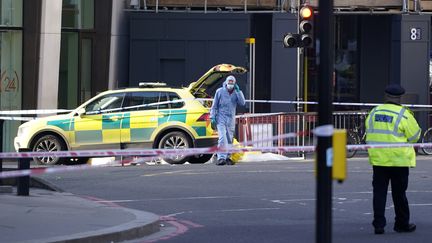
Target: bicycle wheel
[(427, 138), (352, 138)]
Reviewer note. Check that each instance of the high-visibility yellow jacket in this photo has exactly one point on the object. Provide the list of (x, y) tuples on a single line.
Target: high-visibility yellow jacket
[(391, 123)]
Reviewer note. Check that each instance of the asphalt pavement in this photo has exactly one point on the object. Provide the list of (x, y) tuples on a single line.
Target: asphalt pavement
[(247, 210)]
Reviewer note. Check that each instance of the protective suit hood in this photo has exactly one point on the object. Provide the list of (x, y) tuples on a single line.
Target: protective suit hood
[(226, 83)]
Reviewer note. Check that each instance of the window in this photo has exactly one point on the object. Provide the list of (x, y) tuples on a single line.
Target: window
[(11, 48), (141, 101), (163, 98), (11, 13), (78, 14), (68, 76), (107, 103), (345, 75), (174, 97)]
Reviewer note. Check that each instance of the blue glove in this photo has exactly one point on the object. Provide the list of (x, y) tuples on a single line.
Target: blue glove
[(237, 88), (213, 123)]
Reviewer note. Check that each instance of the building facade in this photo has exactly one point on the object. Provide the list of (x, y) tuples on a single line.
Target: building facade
[(54, 54)]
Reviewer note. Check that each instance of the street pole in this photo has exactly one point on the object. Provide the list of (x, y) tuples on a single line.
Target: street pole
[(325, 109)]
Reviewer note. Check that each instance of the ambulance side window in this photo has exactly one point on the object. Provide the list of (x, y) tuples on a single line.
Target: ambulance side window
[(106, 104), (174, 97), (137, 101), (163, 98)]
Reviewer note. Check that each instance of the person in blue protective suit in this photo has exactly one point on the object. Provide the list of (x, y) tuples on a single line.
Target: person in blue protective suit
[(222, 115)]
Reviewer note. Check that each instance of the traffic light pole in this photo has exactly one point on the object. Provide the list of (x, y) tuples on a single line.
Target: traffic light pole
[(325, 110)]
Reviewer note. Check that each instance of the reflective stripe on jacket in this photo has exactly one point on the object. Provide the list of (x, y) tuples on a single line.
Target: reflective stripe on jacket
[(391, 123)]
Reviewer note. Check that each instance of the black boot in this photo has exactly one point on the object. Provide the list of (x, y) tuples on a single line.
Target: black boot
[(407, 229), (229, 162)]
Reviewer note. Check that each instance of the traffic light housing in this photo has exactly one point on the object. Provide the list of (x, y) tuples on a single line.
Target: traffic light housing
[(291, 40), (306, 15), (305, 36)]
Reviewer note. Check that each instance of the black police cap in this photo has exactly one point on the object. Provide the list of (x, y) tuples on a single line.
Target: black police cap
[(394, 90)]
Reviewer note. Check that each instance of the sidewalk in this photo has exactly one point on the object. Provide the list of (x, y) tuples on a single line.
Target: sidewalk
[(50, 216)]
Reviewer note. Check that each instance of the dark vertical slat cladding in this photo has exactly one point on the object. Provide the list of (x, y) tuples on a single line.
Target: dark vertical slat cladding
[(32, 12), (102, 42)]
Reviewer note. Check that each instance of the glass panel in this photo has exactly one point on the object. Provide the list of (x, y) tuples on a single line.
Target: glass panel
[(106, 102), (141, 98), (68, 76), (86, 69), (174, 97), (78, 14), (346, 83), (11, 82), (345, 76), (11, 13), (163, 98)]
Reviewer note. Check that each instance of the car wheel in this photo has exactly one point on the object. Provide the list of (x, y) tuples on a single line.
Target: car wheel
[(48, 143), (175, 140), (200, 159)]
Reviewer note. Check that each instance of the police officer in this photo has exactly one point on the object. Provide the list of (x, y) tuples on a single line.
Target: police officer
[(386, 124), (222, 115)]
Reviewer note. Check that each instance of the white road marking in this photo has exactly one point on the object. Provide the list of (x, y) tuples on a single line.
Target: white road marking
[(278, 201), (168, 172), (284, 201), (421, 204), (115, 201), (166, 199), (340, 200), (245, 209), (190, 172), (175, 214)]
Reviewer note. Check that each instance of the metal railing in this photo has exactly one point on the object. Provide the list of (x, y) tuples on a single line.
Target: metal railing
[(273, 6), (261, 127)]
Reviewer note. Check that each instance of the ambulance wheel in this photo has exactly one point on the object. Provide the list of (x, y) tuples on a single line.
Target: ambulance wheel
[(200, 159), (175, 140), (48, 143)]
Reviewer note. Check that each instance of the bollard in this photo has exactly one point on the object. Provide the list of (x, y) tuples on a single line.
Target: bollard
[(23, 182)]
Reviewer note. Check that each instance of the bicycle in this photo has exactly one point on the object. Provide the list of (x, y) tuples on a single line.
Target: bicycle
[(427, 138), (357, 135)]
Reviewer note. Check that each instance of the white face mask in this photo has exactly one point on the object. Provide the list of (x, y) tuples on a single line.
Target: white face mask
[(230, 86)]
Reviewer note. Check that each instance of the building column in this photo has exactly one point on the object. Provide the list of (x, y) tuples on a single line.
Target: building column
[(410, 59), (119, 50), (49, 59)]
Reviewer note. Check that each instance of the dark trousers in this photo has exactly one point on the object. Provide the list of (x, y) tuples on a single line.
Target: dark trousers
[(398, 176)]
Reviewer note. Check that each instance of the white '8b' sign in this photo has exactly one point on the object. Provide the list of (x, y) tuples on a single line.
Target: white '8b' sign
[(415, 34)]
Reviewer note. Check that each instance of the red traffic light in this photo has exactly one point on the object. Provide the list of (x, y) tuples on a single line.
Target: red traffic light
[(306, 12)]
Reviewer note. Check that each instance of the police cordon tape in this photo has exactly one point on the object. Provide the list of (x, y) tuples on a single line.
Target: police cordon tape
[(156, 153), (188, 152), (54, 111), (141, 152), (12, 118), (34, 112), (191, 151), (149, 154)]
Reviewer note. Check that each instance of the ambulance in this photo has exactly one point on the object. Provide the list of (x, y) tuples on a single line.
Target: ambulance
[(152, 115)]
